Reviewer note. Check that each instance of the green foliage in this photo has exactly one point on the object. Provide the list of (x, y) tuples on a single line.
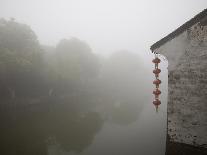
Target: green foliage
[(25, 70), (18, 38), (75, 60), (28, 69), (18, 45), (59, 89), (20, 55)]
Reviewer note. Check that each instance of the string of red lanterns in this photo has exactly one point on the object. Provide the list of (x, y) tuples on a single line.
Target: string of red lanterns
[(156, 82)]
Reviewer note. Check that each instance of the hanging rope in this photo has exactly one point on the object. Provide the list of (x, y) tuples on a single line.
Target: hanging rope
[(156, 82)]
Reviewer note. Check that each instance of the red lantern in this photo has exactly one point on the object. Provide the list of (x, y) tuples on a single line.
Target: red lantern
[(156, 71), (157, 82), (156, 102), (156, 60), (156, 92)]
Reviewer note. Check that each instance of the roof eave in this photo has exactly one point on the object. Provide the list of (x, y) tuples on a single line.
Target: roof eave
[(180, 29)]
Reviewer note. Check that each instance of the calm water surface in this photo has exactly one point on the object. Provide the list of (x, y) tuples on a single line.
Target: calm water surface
[(61, 129), (85, 125)]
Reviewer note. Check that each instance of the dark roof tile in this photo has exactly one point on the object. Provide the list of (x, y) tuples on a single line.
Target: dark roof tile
[(198, 18)]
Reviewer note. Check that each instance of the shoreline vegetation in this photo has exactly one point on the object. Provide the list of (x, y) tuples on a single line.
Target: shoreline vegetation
[(50, 94)]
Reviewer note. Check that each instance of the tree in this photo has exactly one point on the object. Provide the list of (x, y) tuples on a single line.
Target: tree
[(123, 76), (20, 58), (75, 61)]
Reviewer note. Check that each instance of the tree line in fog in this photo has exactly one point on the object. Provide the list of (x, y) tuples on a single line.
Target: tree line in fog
[(29, 69), (63, 89)]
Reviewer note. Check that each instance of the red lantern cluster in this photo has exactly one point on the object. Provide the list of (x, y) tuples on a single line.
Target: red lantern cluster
[(156, 82)]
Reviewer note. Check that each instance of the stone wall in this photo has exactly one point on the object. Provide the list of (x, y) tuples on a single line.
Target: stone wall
[(187, 86)]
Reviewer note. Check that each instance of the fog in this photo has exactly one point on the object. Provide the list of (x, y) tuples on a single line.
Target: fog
[(108, 25), (76, 76)]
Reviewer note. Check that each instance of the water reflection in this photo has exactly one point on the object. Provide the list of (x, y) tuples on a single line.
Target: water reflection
[(110, 115), (86, 126), (31, 132), (125, 113), (55, 128)]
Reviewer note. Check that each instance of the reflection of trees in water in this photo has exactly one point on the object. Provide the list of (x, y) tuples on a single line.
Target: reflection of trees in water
[(124, 81), (125, 113), (71, 124), (22, 133), (74, 132), (70, 74), (120, 111), (26, 133)]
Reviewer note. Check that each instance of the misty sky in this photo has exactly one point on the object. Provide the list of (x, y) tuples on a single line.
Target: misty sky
[(107, 25)]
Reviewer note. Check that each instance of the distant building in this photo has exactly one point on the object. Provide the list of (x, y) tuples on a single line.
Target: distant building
[(186, 52)]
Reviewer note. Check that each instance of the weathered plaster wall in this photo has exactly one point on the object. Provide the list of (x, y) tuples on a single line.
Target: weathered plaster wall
[(187, 86)]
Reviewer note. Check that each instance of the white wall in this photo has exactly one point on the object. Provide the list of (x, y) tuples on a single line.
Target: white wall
[(187, 86)]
